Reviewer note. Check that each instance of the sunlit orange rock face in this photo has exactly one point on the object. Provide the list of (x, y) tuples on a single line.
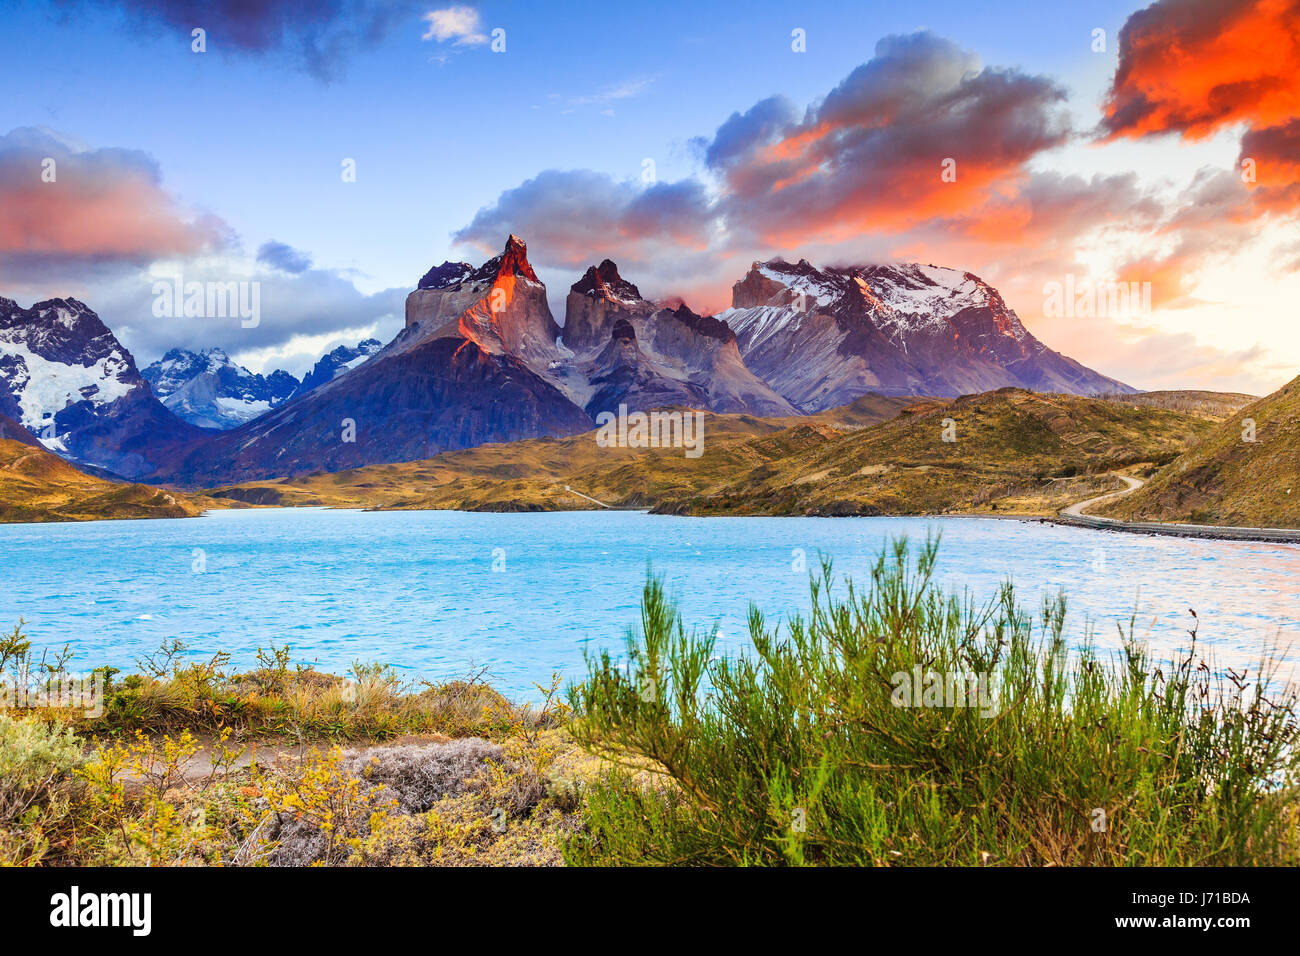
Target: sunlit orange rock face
[(501, 307), (1192, 66), (470, 367)]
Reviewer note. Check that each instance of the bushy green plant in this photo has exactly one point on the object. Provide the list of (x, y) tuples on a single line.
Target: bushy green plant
[(805, 752), (36, 779)]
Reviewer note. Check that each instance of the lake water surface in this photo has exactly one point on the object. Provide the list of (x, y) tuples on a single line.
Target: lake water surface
[(418, 589)]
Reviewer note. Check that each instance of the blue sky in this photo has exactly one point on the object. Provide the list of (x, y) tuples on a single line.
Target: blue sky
[(258, 140), (440, 129)]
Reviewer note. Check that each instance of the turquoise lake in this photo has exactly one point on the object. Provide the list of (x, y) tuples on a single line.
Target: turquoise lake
[(436, 592)]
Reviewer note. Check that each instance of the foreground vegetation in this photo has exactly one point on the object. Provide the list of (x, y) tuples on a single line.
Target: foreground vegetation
[(829, 743), (800, 753), (190, 764)]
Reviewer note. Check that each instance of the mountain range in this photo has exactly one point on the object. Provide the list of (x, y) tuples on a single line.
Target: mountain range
[(66, 378), (209, 390), (824, 336), (481, 359)]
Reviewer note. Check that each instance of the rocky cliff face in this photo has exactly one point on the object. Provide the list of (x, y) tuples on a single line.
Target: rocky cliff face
[(66, 378), (596, 302), (463, 372), (622, 374), (821, 337), (691, 358), (501, 307)]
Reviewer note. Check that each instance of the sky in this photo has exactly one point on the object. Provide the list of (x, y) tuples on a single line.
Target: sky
[(1039, 146)]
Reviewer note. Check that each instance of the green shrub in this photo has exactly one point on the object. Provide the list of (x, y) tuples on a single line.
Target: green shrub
[(804, 752), (36, 783)]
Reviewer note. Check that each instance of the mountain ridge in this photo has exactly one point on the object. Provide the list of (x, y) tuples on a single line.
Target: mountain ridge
[(821, 336), (482, 359)]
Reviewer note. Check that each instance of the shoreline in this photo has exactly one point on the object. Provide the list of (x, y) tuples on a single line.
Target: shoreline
[(1075, 516), (1069, 517), (1207, 532)]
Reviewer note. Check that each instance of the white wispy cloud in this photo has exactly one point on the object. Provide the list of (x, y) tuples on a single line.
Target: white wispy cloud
[(621, 91), (461, 25)]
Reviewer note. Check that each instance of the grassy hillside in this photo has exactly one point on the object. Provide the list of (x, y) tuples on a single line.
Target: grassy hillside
[(36, 485), (531, 475), (1216, 406), (1228, 481), (1016, 452)]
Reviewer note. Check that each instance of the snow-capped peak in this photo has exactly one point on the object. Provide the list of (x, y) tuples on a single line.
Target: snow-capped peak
[(58, 354)]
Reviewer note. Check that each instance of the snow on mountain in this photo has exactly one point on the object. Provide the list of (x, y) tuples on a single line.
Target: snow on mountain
[(209, 390), (66, 378), (48, 364), (822, 337), (335, 363)]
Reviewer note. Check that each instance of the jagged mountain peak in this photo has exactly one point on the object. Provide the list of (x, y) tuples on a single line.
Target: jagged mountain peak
[(336, 362), (445, 275), (62, 329), (513, 261), (604, 281), (209, 389), (501, 307), (706, 325), (823, 336), (68, 380)]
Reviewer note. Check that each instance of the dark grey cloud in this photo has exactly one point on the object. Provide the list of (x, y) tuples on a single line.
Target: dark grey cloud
[(319, 34), (761, 123)]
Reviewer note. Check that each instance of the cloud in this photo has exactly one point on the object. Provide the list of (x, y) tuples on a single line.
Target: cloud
[(461, 25), (761, 123), (1193, 66), (872, 153), (104, 230), (307, 305), (867, 157), (321, 36), (567, 216), (91, 206), (620, 91), (1049, 208), (1275, 153), (856, 176), (277, 255)]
